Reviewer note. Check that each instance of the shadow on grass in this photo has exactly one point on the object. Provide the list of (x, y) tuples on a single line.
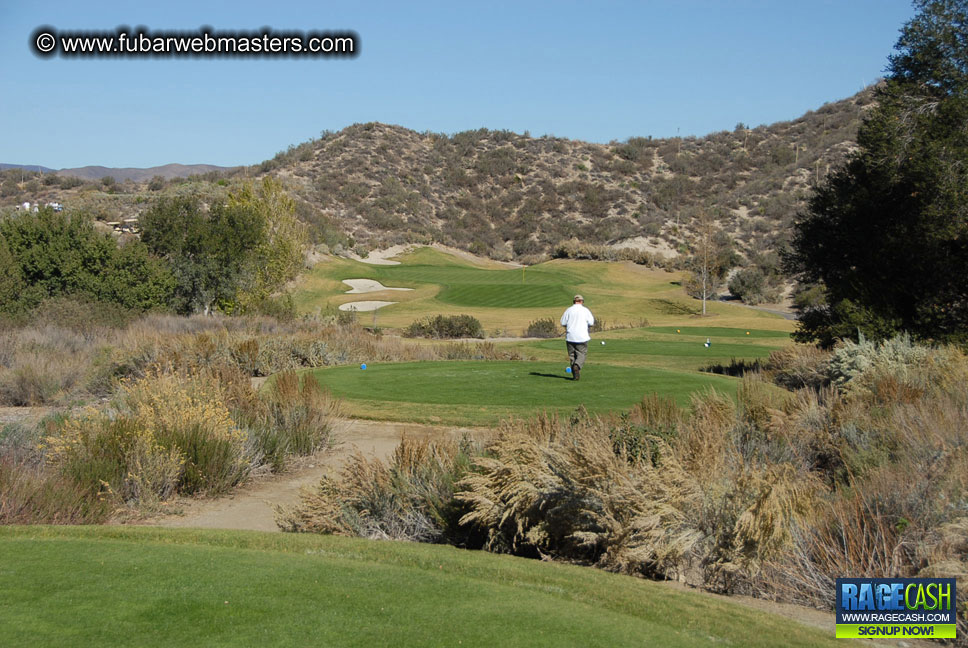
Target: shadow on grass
[(547, 375)]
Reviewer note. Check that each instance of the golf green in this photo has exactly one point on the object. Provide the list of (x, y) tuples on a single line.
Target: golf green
[(505, 295), (483, 392)]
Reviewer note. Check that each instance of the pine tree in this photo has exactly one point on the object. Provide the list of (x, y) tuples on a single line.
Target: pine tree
[(887, 235)]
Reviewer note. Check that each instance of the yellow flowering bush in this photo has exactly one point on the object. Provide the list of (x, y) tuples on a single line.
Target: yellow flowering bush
[(189, 413), (167, 433), (115, 456)]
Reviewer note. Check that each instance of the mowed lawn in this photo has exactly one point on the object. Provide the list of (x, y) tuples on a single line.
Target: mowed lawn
[(655, 342), (484, 392), (114, 586), (506, 300)]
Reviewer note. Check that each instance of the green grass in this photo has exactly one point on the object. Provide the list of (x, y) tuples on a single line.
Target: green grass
[(112, 586), (482, 393), (616, 349), (508, 299), (665, 357), (500, 296), (720, 332)]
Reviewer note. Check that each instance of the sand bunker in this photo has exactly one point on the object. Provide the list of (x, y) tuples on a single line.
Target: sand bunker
[(381, 257), (362, 306), (367, 286)]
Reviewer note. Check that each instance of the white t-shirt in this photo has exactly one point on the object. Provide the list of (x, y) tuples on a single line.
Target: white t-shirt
[(576, 321)]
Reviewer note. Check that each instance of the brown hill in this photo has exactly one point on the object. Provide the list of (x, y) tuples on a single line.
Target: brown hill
[(515, 196), (510, 195)]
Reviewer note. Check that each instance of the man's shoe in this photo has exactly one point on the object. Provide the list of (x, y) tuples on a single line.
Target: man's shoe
[(576, 372)]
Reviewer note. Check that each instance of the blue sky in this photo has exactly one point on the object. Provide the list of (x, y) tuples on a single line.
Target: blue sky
[(592, 71)]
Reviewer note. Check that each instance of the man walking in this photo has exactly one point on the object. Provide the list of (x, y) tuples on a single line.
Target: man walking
[(576, 321)]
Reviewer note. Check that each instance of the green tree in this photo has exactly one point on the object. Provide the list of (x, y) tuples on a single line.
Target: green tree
[(886, 236), (51, 254), (280, 254), (11, 281), (211, 252)]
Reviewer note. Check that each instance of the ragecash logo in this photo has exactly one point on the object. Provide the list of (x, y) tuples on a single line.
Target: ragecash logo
[(896, 607)]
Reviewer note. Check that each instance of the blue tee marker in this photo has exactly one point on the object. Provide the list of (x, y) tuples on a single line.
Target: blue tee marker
[(363, 366)]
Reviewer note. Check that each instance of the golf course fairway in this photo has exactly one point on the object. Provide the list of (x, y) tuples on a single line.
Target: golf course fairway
[(114, 586), (484, 392), (506, 300)]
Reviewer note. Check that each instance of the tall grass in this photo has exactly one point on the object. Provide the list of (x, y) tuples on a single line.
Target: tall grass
[(550, 488), (295, 417), (410, 497), (56, 365), (31, 495)]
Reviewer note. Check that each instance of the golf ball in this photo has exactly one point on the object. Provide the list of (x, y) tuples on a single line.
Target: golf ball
[(603, 342), (363, 366)]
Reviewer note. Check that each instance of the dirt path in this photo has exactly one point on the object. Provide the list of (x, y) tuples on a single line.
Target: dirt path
[(253, 507)]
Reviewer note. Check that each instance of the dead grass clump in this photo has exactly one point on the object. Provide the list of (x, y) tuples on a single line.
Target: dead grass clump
[(411, 497), (31, 495), (657, 412), (755, 520), (42, 376), (798, 366), (704, 443), (566, 494), (294, 417)]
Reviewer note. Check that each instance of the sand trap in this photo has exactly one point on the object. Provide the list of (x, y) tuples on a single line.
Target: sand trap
[(367, 286), (381, 257), (363, 306)]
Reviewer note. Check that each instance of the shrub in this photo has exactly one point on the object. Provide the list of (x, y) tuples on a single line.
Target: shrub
[(31, 495), (188, 414), (408, 498), (896, 370), (295, 417), (543, 328), (115, 458), (446, 326), (167, 434), (749, 284), (560, 490)]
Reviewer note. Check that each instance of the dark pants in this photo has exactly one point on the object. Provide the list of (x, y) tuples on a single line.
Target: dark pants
[(576, 353)]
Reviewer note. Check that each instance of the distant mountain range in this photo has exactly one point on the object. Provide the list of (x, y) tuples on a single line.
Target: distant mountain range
[(167, 171)]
